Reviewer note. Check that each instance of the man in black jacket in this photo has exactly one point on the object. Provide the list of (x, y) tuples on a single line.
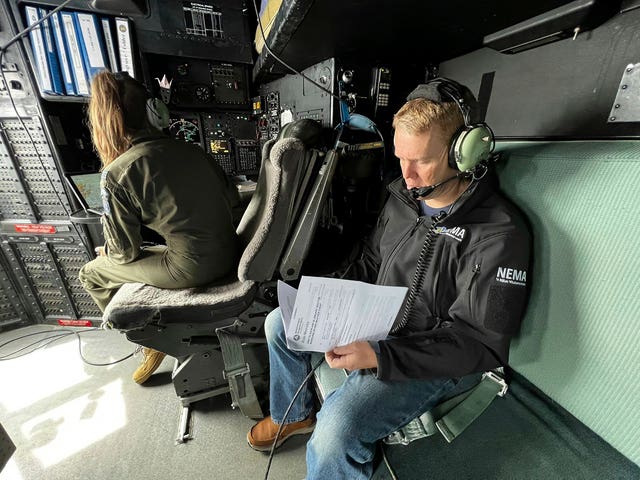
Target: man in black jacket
[(462, 248)]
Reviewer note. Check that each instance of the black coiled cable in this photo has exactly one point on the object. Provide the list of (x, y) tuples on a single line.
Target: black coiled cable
[(424, 258)]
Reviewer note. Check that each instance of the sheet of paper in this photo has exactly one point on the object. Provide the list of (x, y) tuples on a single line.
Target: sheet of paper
[(330, 312), (286, 299)]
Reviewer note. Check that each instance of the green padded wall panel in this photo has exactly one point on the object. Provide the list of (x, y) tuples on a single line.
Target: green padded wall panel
[(580, 341)]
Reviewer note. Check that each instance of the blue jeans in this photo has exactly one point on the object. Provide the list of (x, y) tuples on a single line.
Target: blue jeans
[(353, 418)]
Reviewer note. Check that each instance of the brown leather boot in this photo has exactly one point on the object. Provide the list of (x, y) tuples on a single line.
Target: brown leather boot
[(150, 363), (263, 433)]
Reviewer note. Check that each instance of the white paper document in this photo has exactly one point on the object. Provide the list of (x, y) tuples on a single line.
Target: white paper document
[(328, 312)]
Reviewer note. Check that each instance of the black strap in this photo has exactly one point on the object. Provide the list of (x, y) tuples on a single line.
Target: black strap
[(237, 372)]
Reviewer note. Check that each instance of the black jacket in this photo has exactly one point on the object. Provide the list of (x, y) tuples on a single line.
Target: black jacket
[(475, 285)]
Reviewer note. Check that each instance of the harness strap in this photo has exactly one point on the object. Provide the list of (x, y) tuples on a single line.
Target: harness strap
[(454, 415), (237, 372), (465, 412)]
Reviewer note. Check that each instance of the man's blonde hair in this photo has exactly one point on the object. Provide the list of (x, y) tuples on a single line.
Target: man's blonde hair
[(420, 115)]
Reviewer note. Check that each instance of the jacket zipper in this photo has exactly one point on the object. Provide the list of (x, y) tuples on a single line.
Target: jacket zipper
[(474, 273), (385, 268), (422, 265), (397, 246)]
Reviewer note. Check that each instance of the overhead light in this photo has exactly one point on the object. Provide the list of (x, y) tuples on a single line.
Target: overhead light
[(563, 22), (122, 7)]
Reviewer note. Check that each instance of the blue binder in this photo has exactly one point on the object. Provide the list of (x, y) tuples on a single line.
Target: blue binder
[(63, 54), (39, 51), (52, 56), (92, 47), (109, 41), (67, 19)]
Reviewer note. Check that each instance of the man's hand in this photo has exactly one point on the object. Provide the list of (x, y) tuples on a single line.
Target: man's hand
[(100, 252), (355, 356)]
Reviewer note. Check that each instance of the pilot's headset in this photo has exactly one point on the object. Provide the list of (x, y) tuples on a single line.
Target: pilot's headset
[(474, 141), (157, 112)]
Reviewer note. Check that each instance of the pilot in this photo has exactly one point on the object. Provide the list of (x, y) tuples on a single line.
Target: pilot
[(446, 232), (150, 180)]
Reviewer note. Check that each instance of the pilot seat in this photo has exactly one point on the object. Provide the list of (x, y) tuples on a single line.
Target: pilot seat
[(216, 333)]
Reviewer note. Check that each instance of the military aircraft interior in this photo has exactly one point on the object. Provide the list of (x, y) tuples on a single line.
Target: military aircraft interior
[(294, 100)]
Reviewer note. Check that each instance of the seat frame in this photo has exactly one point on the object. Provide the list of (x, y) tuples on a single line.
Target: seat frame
[(216, 333)]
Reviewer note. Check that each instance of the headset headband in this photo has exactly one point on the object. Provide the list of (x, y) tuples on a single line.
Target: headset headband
[(452, 91), (444, 90), (472, 143), (156, 110)]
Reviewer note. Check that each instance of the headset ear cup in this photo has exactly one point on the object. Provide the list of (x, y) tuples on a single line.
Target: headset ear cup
[(157, 113), (471, 146), (453, 163)]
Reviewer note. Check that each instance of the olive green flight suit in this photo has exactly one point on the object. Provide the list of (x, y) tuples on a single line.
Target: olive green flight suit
[(175, 189)]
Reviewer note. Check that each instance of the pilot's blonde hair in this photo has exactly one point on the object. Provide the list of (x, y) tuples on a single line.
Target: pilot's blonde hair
[(420, 115), (117, 110)]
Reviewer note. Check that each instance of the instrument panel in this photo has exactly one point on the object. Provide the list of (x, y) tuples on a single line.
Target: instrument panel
[(197, 83), (230, 138), (210, 107)]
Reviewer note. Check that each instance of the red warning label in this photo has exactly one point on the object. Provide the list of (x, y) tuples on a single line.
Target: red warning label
[(34, 228), (64, 322)]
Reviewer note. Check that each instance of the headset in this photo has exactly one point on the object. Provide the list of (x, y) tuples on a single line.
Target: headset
[(474, 141), (157, 111)]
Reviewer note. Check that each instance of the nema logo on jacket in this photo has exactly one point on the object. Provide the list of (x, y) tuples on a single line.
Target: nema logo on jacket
[(512, 275)]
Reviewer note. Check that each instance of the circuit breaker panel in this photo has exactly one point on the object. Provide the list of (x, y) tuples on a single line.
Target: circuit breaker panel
[(27, 164), (41, 251), (12, 309)]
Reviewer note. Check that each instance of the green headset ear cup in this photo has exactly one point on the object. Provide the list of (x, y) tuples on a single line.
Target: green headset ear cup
[(157, 113), (471, 146)]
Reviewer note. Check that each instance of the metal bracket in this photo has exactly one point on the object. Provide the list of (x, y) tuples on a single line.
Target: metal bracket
[(226, 374), (499, 380), (626, 106), (184, 430)]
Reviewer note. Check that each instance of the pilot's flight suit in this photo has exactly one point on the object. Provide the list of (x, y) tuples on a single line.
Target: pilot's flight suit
[(172, 188)]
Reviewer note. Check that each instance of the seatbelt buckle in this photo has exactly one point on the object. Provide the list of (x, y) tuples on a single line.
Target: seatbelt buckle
[(237, 378), (397, 438), (499, 380), (236, 372)]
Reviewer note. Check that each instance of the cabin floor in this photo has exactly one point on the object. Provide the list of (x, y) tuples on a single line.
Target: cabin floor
[(70, 420), (73, 421)]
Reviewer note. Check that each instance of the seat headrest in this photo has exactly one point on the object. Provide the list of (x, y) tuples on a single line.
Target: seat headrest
[(308, 131)]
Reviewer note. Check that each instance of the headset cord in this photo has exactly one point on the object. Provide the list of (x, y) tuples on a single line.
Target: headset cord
[(56, 335), (34, 25), (286, 413), (387, 463), (426, 252), (424, 259)]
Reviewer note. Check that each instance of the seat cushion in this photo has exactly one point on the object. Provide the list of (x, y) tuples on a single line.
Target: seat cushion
[(137, 304)]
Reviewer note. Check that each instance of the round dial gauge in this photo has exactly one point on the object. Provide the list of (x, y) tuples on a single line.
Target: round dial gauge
[(203, 94)]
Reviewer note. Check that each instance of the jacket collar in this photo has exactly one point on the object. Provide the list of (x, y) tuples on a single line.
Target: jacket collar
[(476, 193), (146, 135)]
